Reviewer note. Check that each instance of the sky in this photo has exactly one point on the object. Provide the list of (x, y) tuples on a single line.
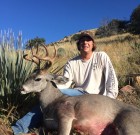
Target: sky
[(55, 19)]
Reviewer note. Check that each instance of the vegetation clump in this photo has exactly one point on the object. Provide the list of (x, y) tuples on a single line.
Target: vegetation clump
[(116, 26)]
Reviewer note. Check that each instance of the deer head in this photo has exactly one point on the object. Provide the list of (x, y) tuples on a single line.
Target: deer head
[(38, 79)]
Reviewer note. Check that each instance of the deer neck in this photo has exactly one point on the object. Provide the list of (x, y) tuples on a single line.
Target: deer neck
[(49, 94)]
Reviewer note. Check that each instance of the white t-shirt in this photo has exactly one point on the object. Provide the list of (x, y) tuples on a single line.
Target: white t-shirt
[(95, 76)]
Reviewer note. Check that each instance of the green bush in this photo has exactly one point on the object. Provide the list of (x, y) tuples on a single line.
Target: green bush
[(35, 42), (61, 52)]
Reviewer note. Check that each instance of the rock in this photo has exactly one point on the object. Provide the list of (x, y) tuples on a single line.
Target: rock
[(127, 88)]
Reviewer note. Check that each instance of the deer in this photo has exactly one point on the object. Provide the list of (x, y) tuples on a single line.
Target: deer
[(91, 114)]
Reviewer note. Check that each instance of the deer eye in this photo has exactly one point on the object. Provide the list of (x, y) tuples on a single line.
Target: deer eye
[(37, 79)]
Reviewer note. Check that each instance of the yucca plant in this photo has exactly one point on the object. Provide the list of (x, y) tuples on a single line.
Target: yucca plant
[(13, 72)]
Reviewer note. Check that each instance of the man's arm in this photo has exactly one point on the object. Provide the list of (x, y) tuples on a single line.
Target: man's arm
[(110, 78)]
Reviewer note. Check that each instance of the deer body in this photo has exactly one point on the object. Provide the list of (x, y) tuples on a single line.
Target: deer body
[(89, 113)]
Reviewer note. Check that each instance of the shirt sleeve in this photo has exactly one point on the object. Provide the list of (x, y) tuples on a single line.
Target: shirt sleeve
[(110, 78), (68, 74)]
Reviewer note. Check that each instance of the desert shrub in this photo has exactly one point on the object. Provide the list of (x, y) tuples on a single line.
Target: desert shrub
[(34, 42), (112, 27), (61, 52), (75, 37), (135, 21)]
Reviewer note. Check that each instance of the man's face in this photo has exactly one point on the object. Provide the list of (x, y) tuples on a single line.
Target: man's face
[(86, 44)]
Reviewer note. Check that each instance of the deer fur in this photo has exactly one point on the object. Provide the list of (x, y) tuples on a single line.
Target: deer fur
[(90, 113)]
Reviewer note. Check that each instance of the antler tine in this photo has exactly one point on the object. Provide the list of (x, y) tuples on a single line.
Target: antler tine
[(55, 53), (36, 61), (37, 49), (47, 58), (32, 50), (25, 56), (47, 54)]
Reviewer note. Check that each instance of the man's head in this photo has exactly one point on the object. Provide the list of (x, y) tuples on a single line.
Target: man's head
[(85, 36)]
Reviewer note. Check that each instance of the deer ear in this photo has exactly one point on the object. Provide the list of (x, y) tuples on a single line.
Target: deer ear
[(61, 79)]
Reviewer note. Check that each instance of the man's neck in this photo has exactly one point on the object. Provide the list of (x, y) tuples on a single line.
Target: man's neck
[(86, 56)]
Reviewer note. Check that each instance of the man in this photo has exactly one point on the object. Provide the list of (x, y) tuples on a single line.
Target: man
[(92, 72)]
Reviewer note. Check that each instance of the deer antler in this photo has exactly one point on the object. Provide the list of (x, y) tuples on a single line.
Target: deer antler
[(47, 58), (26, 57), (36, 59)]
